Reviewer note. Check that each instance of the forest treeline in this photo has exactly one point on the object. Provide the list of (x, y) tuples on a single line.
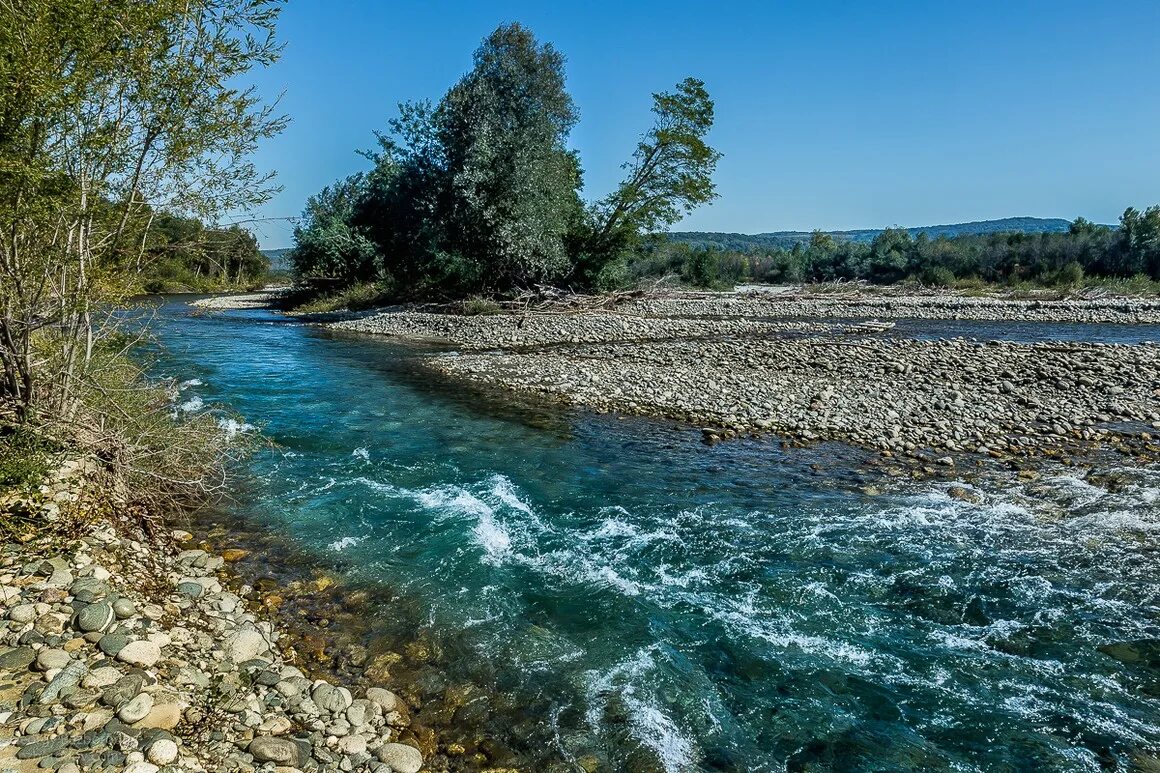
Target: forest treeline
[(1085, 250), (183, 254), (480, 193)]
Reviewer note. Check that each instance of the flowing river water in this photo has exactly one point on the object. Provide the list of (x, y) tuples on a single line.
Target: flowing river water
[(634, 599)]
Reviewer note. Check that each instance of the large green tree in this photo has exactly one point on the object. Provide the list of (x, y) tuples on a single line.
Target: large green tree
[(480, 192), (513, 182)]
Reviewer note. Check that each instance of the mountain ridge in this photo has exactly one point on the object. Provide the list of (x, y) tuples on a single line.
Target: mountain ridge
[(727, 240)]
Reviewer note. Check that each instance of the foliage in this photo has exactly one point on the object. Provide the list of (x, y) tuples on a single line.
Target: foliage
[(670, 175), (356, 297), (701, 268), (479, 194), (164, 458), (184, 255), (325, 242), (476, 306), (1082, 254), (511, 180), (24, 457), (112, 111)]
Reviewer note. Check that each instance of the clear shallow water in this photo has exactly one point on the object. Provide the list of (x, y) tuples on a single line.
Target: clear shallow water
[(632, 595)]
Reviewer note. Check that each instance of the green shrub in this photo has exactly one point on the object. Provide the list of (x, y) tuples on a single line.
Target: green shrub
[(478, 305), (937, 276), (25, 457), (357, 297), (1070, 274), (614, 276), (701, 269)]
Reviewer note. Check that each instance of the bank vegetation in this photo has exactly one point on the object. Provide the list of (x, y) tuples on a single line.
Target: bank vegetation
[(123, 132)]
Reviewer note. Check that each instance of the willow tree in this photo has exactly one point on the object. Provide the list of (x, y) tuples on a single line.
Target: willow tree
[(112, 110), (670, 174)]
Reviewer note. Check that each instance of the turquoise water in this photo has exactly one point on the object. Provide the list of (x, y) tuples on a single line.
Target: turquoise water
[(631, 595)]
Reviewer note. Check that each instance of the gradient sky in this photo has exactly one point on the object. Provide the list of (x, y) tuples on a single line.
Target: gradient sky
[(831, 115)]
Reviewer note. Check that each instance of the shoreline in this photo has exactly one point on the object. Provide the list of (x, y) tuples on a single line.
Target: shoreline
[(712, 362), (303, 613), (130, 651)]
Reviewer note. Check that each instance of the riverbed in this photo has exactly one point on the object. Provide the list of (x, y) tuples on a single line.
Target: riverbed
[(625, 597)]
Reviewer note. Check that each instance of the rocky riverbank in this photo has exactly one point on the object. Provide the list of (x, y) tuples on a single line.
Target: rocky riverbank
[(897, 396), (124, 650), (529, 331), (899, 304), (263, 299), (725, 362)]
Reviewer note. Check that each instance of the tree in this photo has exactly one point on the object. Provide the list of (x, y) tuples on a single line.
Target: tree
[(670, 174), (512, 181), (326, 243), (111, 111), (1141, 233), (890, 253)]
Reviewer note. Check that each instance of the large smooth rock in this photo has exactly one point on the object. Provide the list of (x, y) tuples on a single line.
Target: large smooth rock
[(327, 697), (162, 752), (112, 643), (95, 617), (163, 716), (280, 751), (245, 644), (136, 709), (385, 698), (361, 712), (401, 758), (17, 658), (124, 608), (100, 678), (22, 613), (89, 590), (140, 653), (49, 659)]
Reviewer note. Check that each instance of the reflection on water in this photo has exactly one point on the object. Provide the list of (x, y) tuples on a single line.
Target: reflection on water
[(631, 598)]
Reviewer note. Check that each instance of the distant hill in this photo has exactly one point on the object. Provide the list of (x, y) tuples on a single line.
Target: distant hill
[(279, 259), (730, 241)]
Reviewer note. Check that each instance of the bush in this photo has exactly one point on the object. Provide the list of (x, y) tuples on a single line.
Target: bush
[(357, 297), (614, 276), (477, 305), (25, 457), (701, 269), (937, 276), (1070, 274)]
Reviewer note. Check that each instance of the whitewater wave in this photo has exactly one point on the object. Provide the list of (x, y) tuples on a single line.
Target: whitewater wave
[(231, 428), (342, 544), (628, 682), (192, 405)]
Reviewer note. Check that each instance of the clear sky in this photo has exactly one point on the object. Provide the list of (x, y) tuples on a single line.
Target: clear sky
[(831, 115)]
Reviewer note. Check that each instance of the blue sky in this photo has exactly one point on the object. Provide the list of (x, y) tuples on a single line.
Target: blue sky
[(830, 114)]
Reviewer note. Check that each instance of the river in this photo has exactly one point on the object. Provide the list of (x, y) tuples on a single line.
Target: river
[(633, 598)]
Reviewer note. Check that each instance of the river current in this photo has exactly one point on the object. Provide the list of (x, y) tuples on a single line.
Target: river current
[(647, 602)]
